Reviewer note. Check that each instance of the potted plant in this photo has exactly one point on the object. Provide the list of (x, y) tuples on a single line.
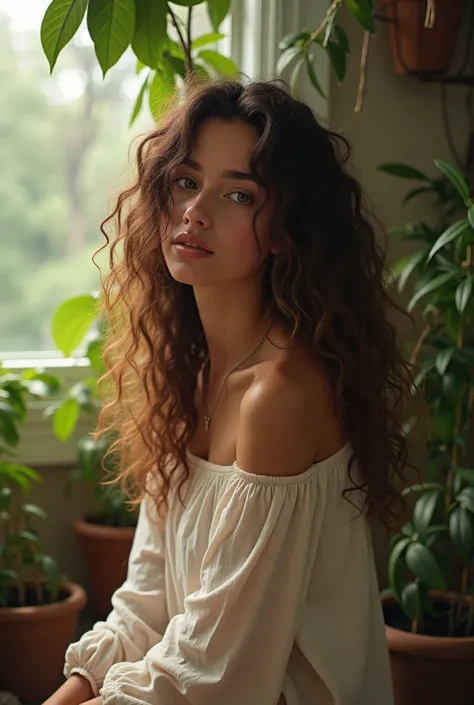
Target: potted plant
[(429, 606), (423, 36), (37, 604), (106, 534)]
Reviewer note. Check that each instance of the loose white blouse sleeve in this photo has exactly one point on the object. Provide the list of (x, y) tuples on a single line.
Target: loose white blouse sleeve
[(139, 616), (232, 641)]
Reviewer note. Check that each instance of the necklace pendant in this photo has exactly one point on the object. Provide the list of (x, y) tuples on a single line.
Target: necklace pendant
[(207, 422)]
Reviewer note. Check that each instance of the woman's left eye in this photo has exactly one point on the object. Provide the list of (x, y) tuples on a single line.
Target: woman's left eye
[(242, 198), (185, 182)]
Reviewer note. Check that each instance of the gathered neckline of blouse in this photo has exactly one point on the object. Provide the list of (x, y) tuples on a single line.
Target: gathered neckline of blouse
[(340, 458)]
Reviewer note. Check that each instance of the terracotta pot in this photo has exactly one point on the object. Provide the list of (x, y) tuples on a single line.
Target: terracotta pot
[(34, 641), (416, 49), (428, 669), (106, 550)]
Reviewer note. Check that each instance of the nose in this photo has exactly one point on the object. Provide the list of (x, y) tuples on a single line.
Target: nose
[(196, 214)]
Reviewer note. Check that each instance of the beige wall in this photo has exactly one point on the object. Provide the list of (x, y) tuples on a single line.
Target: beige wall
[(401, 120)]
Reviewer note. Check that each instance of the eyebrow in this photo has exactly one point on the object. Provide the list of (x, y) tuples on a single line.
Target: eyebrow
[(229, 173)]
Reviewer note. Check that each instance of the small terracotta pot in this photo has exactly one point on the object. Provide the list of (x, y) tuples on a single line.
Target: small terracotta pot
[(34, 641), (416, 49), (106, 550), (428, 669)]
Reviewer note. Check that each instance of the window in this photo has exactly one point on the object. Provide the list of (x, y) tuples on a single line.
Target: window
[(64, 143)]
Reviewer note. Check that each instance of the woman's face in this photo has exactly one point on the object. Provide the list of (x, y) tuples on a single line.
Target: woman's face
[(213, 238)]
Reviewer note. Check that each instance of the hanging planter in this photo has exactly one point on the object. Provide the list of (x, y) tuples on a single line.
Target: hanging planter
[(423, 42)]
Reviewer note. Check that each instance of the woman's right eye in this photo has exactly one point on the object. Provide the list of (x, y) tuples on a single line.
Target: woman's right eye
[(185, 182)]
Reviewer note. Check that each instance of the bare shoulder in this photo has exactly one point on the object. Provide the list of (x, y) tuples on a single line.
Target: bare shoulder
[(287, 419)]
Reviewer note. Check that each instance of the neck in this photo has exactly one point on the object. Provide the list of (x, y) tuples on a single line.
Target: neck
[(233, 323)]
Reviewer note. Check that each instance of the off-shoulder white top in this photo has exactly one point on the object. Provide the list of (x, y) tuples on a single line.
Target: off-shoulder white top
[(261, 588)]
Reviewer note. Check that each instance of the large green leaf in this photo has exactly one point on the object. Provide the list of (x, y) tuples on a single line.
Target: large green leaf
[(150, 36), (423, 511), (461, 531), (71, 321), (423, 564), (338, 59), (34, 511), (161, 90), (186, 3), (290, 40), (342, 39), (430, 286), (403, 171), (466, 498), (295, 74), (416, 192), (363, 12), (222, 64), (443, 359), (206, 39), (411, 601), (60, 23), (395, 556), (65, 419), (313, 76), (405, 266), (8, 429), (51, 382), (139, 101), (286, 58), (463, 293), (455, 177), (19, 474), (470, 216), (454, 231), (111, 25), (217, 11)]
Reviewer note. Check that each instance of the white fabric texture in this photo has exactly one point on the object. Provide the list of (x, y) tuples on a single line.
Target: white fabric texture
[(259, 587)]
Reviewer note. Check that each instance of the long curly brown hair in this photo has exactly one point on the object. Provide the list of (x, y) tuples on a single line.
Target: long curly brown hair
[(327, 284)]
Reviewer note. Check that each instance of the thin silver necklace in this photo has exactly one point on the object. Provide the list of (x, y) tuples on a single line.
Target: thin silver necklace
[(208, 417)]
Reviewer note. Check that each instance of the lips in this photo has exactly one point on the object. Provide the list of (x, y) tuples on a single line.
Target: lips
[(191, 241)]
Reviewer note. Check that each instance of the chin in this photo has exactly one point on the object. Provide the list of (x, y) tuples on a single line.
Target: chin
[(188, 274)]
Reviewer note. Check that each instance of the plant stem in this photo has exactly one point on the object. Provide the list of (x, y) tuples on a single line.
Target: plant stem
[(329, 15), (414, 626), (363, 72), (186, 47)]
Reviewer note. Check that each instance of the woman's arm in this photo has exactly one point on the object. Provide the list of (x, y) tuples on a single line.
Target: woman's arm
[(139, 616), (74, 691)]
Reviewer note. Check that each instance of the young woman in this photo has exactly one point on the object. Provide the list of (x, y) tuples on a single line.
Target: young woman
[(258, 397)]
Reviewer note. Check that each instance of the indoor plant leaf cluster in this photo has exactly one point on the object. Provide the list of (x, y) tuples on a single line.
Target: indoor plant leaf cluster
[(24, 567), (161, 41), (76, 322), (435, 550)]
